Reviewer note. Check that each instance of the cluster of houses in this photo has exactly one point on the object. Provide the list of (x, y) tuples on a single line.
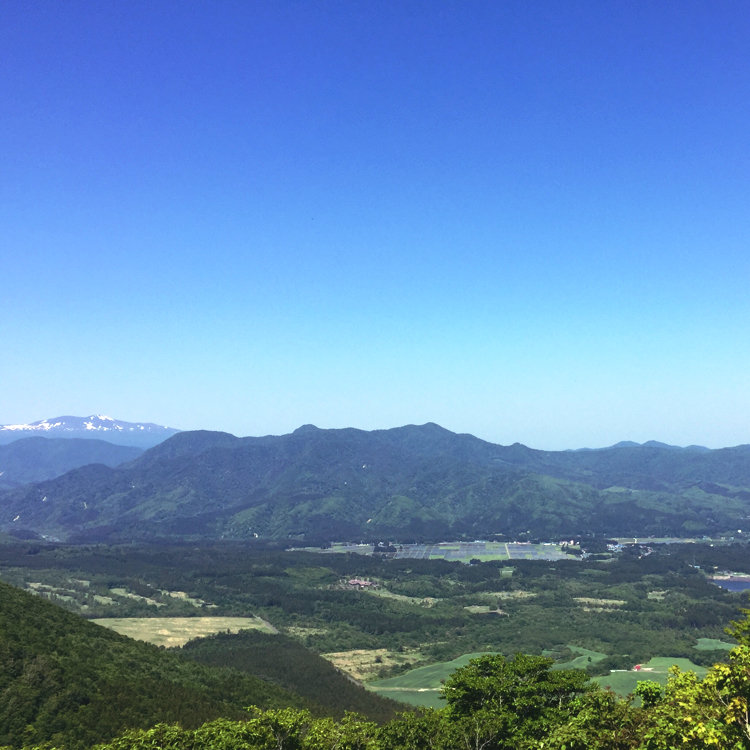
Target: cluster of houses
[(361, 583)]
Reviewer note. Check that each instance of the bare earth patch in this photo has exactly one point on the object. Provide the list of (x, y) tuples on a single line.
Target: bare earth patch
[(177, 631)]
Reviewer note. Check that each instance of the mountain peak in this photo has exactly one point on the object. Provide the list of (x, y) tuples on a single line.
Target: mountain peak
[(141, 434)]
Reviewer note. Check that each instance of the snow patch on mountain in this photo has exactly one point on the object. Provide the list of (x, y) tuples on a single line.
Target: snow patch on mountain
[(95, 425)]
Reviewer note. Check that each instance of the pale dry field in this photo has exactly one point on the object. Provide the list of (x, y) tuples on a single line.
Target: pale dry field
[(589, 604), (365, 664), (177, 631)]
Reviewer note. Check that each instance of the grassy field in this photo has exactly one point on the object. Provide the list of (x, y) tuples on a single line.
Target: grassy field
[(421, 686), (584, 658), (177, 631), (657, 670), (713, 644), (365, 664), (423, 601)]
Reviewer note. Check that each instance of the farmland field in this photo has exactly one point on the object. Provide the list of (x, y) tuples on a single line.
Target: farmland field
[(657, 669), (461, 551), (364, 664), (713, 644), (177, 631), (421, 686)]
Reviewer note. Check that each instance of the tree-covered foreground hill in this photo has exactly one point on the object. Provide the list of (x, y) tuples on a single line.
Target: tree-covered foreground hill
[(69, 682), (409, 483), (495, 703)]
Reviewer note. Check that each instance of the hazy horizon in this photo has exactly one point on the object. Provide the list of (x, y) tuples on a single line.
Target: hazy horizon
[(524, 221), (22, 434)]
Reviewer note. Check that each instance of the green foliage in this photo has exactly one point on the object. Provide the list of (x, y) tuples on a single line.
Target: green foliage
[(495, 703), (599, 720), (281, 660), (63, 679), (517, 699)]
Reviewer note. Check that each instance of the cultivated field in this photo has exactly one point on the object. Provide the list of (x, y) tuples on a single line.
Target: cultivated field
[(462, 551), (625, 681), (177, 631), (421, 686), (364, 664)]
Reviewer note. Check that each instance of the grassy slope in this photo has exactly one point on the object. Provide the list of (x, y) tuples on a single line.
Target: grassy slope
[(656, 669), (421, 686)]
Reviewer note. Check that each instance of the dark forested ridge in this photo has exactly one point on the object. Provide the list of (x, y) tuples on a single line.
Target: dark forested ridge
[(34, 459), (281, 660), (408, 483)]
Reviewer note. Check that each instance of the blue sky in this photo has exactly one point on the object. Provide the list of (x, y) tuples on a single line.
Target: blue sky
[(524, 220)]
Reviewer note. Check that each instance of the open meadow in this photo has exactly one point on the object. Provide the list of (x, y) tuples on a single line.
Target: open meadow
[(177, 631)]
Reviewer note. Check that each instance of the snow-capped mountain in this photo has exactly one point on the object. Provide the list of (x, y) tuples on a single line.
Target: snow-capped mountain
[(141, 434)]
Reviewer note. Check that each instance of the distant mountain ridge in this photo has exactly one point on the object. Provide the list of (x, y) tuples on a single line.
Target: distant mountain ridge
[(406, 483), (96, 426), (34, 459)]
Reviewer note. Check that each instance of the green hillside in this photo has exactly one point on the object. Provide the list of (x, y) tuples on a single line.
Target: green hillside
[(68, 681), (282, 660), (410, 483)]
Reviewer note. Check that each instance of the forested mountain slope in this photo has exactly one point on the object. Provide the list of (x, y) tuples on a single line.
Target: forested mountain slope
[(414, 482), (283, 661), (66, 680), (34, 459)]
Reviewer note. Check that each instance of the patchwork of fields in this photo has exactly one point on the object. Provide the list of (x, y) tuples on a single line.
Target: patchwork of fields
[(421, 686), (462, 551), (402, 621)]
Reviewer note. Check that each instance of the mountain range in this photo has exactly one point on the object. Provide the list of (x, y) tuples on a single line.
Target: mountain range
[(96, 426), (404, 484)]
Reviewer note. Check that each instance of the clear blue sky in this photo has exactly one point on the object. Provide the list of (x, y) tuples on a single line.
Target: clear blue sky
[(525, 220)]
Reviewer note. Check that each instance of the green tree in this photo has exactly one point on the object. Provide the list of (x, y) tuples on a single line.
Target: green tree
[(495, 702), (709, 713), (599, 720)]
